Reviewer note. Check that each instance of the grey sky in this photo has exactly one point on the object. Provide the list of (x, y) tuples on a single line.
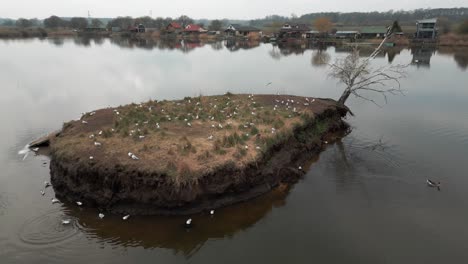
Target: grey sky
[(242, 9)]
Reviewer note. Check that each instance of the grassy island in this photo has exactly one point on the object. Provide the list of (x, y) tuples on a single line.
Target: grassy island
[(184, 156)]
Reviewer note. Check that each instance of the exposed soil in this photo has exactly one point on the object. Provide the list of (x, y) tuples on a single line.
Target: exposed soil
[(170, 179)]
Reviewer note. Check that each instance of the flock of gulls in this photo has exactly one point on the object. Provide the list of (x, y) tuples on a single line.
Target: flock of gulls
[(188, 222), (288, 103)]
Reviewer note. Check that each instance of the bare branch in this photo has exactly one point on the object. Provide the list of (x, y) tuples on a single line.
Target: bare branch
[(358, 76)]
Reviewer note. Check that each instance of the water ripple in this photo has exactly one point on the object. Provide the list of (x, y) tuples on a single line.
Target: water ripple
[(48, 230), (3, 202)]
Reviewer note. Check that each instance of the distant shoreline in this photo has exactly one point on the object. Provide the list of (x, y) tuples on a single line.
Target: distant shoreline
[(447, 40)]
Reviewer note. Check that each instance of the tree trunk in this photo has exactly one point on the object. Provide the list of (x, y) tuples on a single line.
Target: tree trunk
[(344, 96)]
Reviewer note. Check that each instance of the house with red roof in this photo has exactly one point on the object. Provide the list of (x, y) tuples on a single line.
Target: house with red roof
[(194, 29), (174, 27)]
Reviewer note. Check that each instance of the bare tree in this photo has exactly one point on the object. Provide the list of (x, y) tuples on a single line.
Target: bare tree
[(360, 77)]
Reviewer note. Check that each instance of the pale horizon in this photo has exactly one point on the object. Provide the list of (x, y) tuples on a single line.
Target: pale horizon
[(206, 9)]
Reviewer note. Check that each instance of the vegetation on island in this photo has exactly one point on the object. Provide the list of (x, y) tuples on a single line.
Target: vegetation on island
[(190, 137)]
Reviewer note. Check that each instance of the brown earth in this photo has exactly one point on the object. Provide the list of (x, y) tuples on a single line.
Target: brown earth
[(258, 142)]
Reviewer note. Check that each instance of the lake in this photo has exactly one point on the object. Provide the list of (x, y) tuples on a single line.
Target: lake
[(364, 200)]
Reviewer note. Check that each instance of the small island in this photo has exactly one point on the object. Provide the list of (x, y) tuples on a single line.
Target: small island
[(186, 156)]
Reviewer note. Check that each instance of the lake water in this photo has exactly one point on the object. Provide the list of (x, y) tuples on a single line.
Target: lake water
[(364, 200)]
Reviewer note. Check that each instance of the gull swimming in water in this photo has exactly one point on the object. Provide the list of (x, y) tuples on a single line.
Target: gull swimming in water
[(54, 200), (66, 222), (42, 192), (433, 184), (79, 203), (46, 184)]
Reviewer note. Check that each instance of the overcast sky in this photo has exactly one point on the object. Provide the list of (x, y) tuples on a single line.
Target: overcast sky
[(242, 9)]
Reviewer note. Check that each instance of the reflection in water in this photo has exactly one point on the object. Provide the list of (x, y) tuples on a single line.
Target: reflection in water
[(363, 196), (152, 232), (275, 52), (393, 52), (217, 45), (235, 45), (320, 58), (460, 55), (422, 56), (56, 41)]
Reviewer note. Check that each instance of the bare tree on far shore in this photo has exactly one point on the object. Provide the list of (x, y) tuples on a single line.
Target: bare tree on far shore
[(360, 77)]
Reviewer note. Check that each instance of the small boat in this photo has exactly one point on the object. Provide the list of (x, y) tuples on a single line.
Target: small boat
[(433, 184)]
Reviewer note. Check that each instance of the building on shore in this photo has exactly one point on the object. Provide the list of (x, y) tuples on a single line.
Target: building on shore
[(313, 34), (237, 30), (294, 30), (373, 32), (140, 28), (347, 34), (174, 27), (426, 29), (193, 29)]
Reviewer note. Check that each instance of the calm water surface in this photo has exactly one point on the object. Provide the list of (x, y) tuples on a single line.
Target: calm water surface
[(363, 201)]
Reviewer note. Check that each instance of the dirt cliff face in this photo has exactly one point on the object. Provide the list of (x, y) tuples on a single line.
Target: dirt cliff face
[(127, 189)]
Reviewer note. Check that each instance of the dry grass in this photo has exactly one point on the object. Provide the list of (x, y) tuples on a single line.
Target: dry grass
[(186, 138), (452, 39), (14, 32)]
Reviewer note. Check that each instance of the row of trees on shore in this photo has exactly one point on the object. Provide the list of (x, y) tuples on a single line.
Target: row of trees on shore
[(452, 19), (55, 22), (122, 22)]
